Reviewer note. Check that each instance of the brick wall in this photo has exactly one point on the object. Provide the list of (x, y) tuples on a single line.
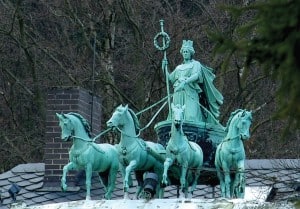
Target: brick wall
[(65, 100)]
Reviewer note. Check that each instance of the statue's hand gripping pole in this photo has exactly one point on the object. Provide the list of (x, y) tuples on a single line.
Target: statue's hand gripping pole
[(165, 45)]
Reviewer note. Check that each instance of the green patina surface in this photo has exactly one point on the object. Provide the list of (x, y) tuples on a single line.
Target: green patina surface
[(230, 155), (133, 151), (86, 155), (193, 106), (188, 155)]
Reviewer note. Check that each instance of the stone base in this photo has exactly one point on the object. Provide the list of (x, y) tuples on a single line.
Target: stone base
[(255, 198), (162, 204)]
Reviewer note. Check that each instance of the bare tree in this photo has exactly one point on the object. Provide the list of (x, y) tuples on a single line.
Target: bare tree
[(107, 48)]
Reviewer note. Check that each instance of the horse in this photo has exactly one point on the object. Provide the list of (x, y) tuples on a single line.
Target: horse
[(135, 154), (230, 155), (86, 154), (188, 155)]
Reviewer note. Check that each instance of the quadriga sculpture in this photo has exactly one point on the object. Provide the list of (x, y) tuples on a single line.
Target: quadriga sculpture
[(86, 154), (135, 154), (230, 155), (179, 150)]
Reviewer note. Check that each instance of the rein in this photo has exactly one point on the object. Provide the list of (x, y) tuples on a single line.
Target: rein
[(164, 104), (82, 139), (231, 138), (89, 141), (122, 132), (155, 115)]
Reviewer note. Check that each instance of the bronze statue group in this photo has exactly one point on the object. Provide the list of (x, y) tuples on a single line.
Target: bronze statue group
[(195, 99)]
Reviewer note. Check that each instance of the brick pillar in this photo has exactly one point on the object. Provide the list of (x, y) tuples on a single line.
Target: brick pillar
[(65, 100)]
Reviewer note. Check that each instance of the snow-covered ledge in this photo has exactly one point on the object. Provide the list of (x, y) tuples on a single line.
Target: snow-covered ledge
[(255, 197), (161, 204)]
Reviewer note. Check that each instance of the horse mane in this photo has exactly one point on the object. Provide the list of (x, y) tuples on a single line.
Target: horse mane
[(135, 121), (84, 122), (231, 117)]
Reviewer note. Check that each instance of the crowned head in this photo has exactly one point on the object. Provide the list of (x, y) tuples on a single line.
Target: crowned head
[(187, 44)]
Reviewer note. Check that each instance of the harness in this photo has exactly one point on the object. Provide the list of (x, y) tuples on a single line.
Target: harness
[(231, 150), (125, 150), (90, 143)]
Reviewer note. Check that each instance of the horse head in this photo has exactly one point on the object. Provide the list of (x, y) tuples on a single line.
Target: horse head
[(67, 129), (244, 124), (117, 119), (73, 124), (178, 115), (239, 124), (124, 118)]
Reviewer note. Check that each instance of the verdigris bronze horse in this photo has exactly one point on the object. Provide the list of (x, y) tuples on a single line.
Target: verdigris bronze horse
[(230, 155), (86, 154), (179, 150), (133, 151)]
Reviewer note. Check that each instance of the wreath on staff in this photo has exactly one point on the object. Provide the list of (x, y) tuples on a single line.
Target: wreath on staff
[(166, 37)]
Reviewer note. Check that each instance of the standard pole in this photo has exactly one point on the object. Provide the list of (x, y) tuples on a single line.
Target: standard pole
[(166, 42)]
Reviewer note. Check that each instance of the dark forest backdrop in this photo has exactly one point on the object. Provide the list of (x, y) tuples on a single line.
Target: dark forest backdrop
[(51, 43)]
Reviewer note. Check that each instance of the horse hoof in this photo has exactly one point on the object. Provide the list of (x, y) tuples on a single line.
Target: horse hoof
[(63, 188), (107, 197)]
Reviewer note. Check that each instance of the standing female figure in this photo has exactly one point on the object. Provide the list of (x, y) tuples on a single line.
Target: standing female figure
[(193, 87)]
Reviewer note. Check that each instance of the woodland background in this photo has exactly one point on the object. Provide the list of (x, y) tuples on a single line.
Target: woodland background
[(107, 48)]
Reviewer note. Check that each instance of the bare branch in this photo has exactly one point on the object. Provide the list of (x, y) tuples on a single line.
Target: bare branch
[(18, 81)]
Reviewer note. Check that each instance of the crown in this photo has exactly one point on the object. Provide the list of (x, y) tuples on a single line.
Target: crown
[(187, 43)]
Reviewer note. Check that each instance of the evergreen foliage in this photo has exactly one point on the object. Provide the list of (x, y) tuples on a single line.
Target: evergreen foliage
[(106, 47), (269, 39)]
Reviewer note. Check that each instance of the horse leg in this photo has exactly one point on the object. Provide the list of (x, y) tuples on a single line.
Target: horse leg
[(140, 180), (220, 175), (112, 176), (123, 172), (104, 176), (69, 166), (238, 187), (227, 180), (88, 179), (159, 189), (168, 162), (233, 183), (128, 169), (195, 182), (219, 169), (184, 186), (242, 185)]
